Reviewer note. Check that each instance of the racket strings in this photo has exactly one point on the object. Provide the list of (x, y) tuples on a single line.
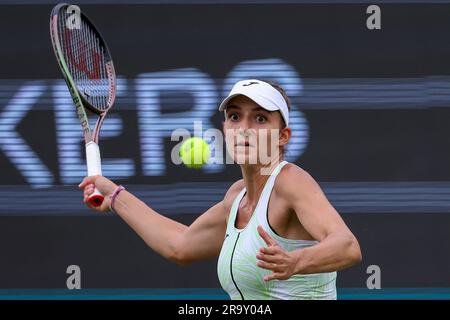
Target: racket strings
[(85, 57)]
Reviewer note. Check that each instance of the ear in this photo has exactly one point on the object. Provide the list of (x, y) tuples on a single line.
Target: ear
[(285, 136)]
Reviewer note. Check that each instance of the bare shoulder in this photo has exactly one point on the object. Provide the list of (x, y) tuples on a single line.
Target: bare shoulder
[(292, 181), (231, 194)]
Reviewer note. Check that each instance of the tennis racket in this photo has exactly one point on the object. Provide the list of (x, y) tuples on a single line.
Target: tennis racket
[(88, 70)]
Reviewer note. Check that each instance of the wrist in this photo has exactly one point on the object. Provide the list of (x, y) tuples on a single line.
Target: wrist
[(301, 258), (113, 196)]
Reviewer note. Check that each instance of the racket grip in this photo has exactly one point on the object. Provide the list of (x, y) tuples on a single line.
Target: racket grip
[(94, 167), (96, 198), (94, 164)]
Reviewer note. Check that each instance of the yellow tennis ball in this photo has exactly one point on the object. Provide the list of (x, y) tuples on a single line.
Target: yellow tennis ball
[(194, 152)]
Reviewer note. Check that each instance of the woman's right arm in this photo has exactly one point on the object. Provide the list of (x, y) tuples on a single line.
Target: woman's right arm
[(171, 239)]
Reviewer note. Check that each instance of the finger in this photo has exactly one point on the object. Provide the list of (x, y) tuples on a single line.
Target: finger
[(268, 266), (269, 250), (267, 258), (83, 183), (89, 188), (86, 181), (273, 276), (88, 192), (267, 239)]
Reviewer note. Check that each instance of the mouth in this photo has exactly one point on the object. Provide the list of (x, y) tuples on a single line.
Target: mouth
[(244, 144)]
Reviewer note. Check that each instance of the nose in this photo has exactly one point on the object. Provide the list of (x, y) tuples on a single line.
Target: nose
[(244, 124), (245, 132), (242, 131)]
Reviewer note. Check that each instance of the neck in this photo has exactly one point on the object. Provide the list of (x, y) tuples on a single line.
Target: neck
[(255, 177)]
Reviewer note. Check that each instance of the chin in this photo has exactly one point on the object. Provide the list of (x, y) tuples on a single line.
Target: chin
[(245, 159)]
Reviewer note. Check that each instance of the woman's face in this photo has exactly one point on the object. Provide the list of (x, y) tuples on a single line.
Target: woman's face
[(253, 135)]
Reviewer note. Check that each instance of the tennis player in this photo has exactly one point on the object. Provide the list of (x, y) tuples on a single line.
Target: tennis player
[(276, 235)]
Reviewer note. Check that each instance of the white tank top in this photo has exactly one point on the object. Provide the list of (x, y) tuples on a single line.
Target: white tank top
[(237, 267)]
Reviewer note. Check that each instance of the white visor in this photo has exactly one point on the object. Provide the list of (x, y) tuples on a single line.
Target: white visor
[(262, 93)]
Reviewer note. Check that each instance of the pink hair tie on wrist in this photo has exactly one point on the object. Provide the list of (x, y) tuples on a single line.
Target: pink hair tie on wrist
[(113, 196)]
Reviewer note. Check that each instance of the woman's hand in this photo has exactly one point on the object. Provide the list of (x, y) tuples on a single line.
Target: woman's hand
[(274, 258), (105, 186)]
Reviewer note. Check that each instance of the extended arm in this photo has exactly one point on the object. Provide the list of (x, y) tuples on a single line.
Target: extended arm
[(171, 239)]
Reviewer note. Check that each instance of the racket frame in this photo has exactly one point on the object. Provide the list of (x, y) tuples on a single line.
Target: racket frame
[(91, 137)]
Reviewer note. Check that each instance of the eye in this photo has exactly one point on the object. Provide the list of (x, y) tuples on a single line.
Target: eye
[(261, 119), (233, 116)]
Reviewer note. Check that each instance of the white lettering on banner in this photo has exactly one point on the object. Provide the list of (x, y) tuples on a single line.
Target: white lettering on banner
[(14, 146), (154, 125), (155, 122)]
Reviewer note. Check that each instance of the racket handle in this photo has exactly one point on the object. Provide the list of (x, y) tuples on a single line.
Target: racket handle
[(96, 198), (94, 167), (94, 164)]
